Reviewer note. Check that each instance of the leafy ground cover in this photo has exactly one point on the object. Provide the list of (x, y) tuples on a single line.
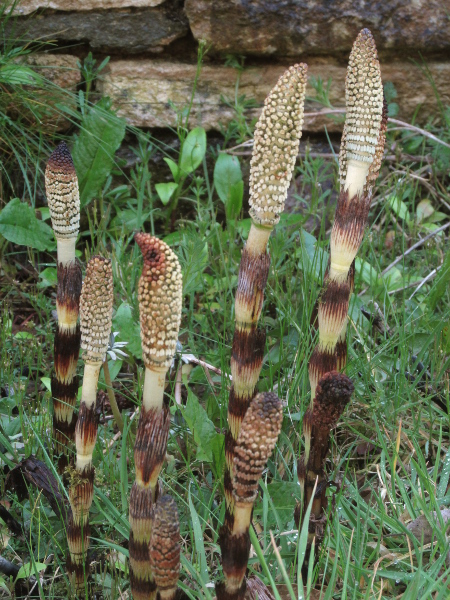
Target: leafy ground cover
[(390, 456)]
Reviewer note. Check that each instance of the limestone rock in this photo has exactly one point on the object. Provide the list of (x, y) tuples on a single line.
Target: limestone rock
[(142, 89), (60, 69), (63, 74), (25, 7), (128, 31), (295, 27)]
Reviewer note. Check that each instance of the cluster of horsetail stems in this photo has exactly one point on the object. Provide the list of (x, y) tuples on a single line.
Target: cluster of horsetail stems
[(63, 198), (275, 149), (160, 303), (257, 438), (360, 159), (96, 306)]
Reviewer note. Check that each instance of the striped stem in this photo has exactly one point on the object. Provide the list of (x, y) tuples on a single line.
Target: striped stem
[(360, 158), (258, 435), (160, 302), (63, 198), (333, 393), (165, 547), (96, 318), (276, 138)]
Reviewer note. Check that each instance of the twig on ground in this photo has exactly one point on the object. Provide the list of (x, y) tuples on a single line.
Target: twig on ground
[(193, 359), (430, 276), (414, 246)]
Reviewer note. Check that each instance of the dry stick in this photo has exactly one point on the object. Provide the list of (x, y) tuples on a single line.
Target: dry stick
[(258, 435), (160, 303), (96, 307), (277, 134), (360, 158), (414, 247), (63, 198)]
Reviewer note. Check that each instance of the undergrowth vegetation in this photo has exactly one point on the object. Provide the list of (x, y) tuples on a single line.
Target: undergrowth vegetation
[(390, 454)]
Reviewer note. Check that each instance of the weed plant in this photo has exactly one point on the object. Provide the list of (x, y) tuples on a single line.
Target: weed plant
[(390, 454)]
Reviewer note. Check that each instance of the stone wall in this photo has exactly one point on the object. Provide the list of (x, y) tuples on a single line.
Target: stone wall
[(152, 44)]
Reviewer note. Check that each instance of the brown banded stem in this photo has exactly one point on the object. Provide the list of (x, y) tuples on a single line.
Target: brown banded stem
[(96, 307), (275, 148), (360, 157), (257, 438), (61, 185), (333, 393), (160, 303), (165, 547)]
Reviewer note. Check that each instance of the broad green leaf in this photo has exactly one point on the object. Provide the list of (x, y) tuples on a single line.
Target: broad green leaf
[(201, 427), (47, 382), (229, 184), (234, 206), (368, 273), (173, 169), (24, 335), (284, 495), (29, 569), (93, 151), (399, 207), (165, 191), (193, 151), (424, 210), (48, 277), (19, 225), (129, 329)]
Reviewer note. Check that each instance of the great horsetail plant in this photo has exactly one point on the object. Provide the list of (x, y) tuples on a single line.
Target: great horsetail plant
[(96, 307), (360, 160), (257, 437), (275, 149), (160, 303), (63, 198), (165, 548)]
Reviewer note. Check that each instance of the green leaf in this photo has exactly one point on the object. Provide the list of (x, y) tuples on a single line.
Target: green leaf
[(129, 329), (19, 225), (229, 184), (47, 382), (193, 151), (234, 205), (368, 273), (29, 569), (48, 277), (24, 335), (424, 210), (399, 207), (173, 169), (201, 427), (285, 496), (165, 191), (93, 151)]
